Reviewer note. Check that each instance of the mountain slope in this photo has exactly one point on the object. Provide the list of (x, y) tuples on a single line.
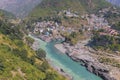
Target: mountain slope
[(48, 7), (17, 60), (6, 14), (19, 7)]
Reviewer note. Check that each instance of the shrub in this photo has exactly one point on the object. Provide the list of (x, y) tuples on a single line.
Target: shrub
[(41, 54)]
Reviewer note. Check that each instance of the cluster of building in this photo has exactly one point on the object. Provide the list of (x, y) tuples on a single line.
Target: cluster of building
[(113, 10), (98, 22), (94, 22), (45, 27), (47, 30), (110, 32), (68, 13), (50, 28)]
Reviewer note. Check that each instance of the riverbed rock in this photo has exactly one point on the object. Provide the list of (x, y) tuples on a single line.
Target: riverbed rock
[(94, 67)]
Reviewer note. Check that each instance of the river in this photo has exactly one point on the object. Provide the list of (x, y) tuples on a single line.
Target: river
[(64, 62)]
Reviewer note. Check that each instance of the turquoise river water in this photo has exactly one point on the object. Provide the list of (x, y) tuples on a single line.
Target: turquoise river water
[(64, 62)]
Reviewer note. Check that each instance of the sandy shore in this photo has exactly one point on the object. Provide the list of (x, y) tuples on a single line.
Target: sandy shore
[(60, 47)]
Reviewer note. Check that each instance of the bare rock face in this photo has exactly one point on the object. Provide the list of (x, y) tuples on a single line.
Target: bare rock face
[(96, 68), (18, 7)]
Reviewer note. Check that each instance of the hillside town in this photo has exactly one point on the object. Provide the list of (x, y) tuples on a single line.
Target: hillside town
[(60, 40), (51, 30)]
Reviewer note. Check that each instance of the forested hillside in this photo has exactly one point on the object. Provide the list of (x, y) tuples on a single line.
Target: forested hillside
[(51, 7), (17, 60)]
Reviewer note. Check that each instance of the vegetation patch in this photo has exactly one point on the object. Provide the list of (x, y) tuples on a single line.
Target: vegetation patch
[(109, 61), (105, 42)]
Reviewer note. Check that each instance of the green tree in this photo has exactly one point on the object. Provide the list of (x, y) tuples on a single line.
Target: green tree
[(41, 54), (44, 66), (50, 76), (29, 40), (1, 66)]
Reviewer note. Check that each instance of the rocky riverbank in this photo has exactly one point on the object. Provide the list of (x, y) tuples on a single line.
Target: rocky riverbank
[(60, 47), (96, 68), (89, 59)]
